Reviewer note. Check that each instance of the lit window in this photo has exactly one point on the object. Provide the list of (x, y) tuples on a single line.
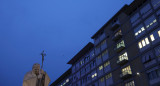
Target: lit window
[(67, 80), (143, 43), (159, 33), (139, 30), (104, 53), (136, 34), (123, 56), (152, 37), (130, 83), (102, 79), (101, 67), (150, 22), (120, 44), (126, 70), (94, 75), (106, 64), (155, 35), (142, 29), (108, 76), (140, 45), (146, 40)]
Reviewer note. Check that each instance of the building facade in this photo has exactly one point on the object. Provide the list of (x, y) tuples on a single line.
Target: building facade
[(126, 50)]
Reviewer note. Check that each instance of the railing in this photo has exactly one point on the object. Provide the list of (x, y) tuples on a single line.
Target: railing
[(123, 61), (126, 74)]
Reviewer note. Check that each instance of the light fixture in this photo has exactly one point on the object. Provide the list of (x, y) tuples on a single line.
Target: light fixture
[(138, 73)]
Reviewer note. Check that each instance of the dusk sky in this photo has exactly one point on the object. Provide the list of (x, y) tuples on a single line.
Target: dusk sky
[(60, 27)]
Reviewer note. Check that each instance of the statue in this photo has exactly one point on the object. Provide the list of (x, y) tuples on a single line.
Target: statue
[(36, 77)]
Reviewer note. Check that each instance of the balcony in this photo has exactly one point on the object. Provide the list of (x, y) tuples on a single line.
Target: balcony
[(123, 61), (115, 26), (125, 74), (117, 36), (119, 49), (120, 46)]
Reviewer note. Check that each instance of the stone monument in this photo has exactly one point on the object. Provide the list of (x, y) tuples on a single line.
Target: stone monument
[(36, 77)]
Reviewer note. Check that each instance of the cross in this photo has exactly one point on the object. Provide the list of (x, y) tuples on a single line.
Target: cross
[(43, 54)]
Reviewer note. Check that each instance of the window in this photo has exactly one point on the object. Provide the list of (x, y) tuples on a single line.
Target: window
[(126, 70), (83, 80), (92, 54), (73, 68), (86, 59), (101, 82), (147, 57), (120, 44), (150, 22), (135, 19), (82, 62), (106, 64), (123, 56), (87, 68), (103, 45), (115, 21), (102, 79), (105, 55), (158, 12), (94, 74), (146, 10), (93, 64), (130, 83), (119, 32), (154, 36), (139, 30), (99, 59), (143, 43), (159, 33), (157, 50), (100, 70), (82, 71), (97, 49), (88, 77), (154, 74), (107, 67), (101, 67), (155, 3), (109, 80), (108, 76)]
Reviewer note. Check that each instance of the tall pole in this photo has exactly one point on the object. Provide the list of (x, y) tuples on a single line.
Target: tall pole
[(43, 54)]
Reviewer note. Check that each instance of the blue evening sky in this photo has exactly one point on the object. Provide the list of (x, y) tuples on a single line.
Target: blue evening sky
[(60, 27)]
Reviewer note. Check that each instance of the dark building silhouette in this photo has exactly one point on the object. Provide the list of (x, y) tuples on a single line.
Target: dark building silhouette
[(126, 50)]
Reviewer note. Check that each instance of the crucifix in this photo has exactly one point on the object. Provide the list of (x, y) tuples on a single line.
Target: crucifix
[(43, 54)]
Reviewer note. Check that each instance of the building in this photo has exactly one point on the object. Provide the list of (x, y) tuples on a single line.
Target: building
[(126, 50), (64, 79)]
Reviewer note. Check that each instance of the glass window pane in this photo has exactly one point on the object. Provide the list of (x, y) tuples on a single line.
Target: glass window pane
[(145, 9), (159, 33), (140, 45), (147, 41), (150, 22), (143, 43), (152, 37)]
